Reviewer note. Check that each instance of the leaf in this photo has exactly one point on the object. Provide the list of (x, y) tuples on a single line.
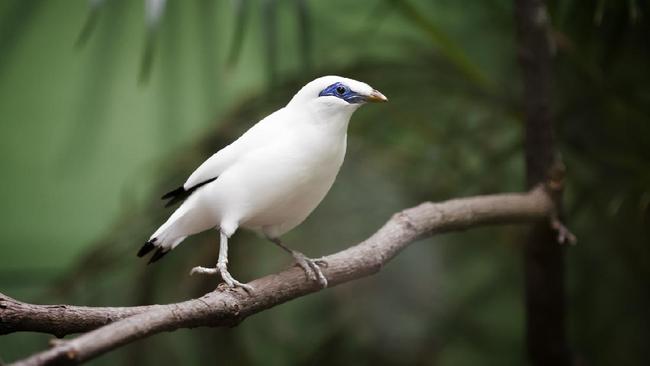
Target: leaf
[(449, 50), (241, 21), (146, 62), (94, 10), (598, 14), (269, 35), (154, 10), (304, 33)]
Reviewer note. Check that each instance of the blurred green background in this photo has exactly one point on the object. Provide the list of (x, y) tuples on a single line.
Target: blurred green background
[(101, 111)]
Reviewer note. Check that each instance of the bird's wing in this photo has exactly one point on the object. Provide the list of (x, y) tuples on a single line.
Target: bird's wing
[(258, 136)]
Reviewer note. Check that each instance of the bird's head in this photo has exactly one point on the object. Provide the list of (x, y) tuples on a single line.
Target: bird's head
[(336, 94)]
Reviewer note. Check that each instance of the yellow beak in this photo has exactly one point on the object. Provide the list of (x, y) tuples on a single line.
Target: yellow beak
[(376, 97)]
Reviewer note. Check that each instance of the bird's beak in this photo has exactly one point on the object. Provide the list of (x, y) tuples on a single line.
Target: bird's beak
[(376, 97)]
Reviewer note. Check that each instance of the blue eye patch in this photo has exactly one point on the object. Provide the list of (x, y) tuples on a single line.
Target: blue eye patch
[(342, 91)]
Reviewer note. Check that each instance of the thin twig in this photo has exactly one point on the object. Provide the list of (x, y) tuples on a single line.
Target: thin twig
[(564, 235)]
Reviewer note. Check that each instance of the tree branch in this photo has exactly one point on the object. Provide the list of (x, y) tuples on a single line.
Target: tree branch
[(228, 307)]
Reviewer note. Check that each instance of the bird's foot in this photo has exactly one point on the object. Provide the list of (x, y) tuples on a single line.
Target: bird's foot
[(311, 267), (222, 270), (229, 280), (321, 262)]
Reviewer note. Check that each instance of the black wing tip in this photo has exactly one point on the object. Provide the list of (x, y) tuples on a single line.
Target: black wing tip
[(172, 194), (147, 247), (157, 255), (177, 195), (173, 201), (180, 194)]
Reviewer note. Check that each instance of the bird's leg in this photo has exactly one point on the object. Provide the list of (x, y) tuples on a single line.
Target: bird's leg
[(222, 266), (310, 266)]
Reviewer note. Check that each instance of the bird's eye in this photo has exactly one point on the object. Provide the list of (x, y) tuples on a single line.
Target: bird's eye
[(340, 90)]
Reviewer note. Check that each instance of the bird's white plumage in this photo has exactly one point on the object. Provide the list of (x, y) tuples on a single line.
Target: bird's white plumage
[(259, 135), (272, 177)]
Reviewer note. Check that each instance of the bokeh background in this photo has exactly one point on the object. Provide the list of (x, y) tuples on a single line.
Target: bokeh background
[(104, 105)]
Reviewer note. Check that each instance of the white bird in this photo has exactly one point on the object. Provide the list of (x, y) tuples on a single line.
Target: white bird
[(271, 178)]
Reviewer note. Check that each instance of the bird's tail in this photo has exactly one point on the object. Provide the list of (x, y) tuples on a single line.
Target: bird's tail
[(166, 238), (161, 250)]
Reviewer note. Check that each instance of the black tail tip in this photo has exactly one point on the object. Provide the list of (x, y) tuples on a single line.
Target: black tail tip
[(171, 194), (157, 255), (147, 247)]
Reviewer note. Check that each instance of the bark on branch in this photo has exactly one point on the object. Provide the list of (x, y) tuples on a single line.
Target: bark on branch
[(117, 326)]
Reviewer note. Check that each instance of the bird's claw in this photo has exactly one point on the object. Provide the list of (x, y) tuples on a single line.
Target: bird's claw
[(222, 270), (311, 267), (321, 262), (229, 280)]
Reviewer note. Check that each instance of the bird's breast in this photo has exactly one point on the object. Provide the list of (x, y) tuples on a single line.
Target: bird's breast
[(295, 180)]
